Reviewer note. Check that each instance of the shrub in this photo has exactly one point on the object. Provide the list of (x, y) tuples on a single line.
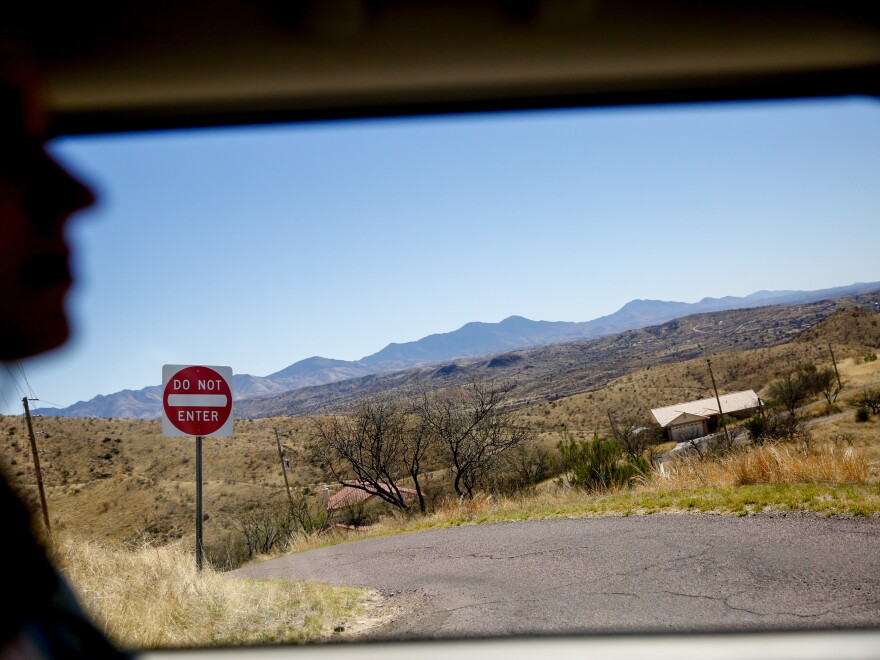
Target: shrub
[(869, 399), (772, 428), (756, 427), (268, 527), (226, 554), (863, 414), (598, 464), (521, 470), (359, 515)]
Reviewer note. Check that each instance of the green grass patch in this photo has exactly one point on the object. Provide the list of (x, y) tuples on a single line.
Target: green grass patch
[(821, 499)]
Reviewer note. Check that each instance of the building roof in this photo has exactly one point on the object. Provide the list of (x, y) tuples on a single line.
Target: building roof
[(685, 418), (351, 495), (706, 407)]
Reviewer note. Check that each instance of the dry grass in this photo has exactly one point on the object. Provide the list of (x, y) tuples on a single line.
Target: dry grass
[(121, 480), (152, 597), (779, 464), (857, 373), (843, 432)]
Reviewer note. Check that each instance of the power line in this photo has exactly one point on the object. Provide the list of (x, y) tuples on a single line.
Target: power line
[(3, 387), (30, 390), (57, 405), (14, 380)]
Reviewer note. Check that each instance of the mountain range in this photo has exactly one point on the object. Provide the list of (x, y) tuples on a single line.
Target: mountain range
[(472, 340)]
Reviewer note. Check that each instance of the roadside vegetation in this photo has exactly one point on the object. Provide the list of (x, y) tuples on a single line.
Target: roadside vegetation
[(153, 597), (835, 476), (121, 497)]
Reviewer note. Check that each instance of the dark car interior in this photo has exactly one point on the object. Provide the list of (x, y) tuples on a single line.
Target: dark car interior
[(182, 64)]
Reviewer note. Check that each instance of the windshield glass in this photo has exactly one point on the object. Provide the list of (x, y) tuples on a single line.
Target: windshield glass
[(606, 370)]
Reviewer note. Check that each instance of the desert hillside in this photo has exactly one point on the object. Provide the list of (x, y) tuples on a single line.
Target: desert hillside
[(122, 479), (549, 373)]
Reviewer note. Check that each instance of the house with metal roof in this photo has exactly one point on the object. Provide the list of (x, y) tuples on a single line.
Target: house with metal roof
[(695, 419)]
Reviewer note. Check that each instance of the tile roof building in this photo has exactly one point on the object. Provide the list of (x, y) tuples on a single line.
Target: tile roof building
[(349, 496)]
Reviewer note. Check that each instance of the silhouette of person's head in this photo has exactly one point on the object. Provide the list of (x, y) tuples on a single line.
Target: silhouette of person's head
[(37, 197)]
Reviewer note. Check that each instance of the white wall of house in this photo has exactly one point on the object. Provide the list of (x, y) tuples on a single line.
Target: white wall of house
[(688, 431)]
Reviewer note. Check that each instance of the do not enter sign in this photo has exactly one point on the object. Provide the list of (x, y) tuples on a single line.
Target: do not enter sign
[(196, 400)]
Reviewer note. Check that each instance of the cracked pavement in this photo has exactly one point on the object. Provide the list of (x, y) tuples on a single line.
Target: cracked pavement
[(659, 573)]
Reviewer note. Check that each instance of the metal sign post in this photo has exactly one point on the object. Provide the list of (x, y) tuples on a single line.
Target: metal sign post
[(199, 548)]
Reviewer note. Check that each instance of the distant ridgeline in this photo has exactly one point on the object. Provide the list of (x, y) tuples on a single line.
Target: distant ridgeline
[(515, 348)]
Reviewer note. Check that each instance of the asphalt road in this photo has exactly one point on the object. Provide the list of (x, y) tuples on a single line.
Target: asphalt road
[(659, 573)]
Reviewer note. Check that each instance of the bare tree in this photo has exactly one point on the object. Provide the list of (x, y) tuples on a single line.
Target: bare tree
[(309, 517), (520, 470), (367, 449), (791, 390), (656, 436), (694, 439), (827, 381), (869, 399), (265, 526), (472, 427), (531, 465), (631, 433), (420, 444)]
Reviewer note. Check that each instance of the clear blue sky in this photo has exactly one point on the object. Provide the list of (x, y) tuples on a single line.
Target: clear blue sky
[(258, 247)]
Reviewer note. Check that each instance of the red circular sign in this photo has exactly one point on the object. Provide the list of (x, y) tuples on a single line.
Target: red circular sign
[(197, 400)]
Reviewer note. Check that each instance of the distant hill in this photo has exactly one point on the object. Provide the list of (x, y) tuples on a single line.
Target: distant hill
[(472, 340), (318, 370), (477, 338), (547, 373)]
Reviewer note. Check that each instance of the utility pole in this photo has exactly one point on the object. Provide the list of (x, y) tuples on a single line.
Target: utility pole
[(283, 467), (836, 372), (27, 414), (718, 399)]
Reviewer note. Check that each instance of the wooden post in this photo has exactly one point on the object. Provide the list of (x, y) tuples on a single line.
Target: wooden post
[(283, 467), (27, 414), (836, 372), (718, 399)]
